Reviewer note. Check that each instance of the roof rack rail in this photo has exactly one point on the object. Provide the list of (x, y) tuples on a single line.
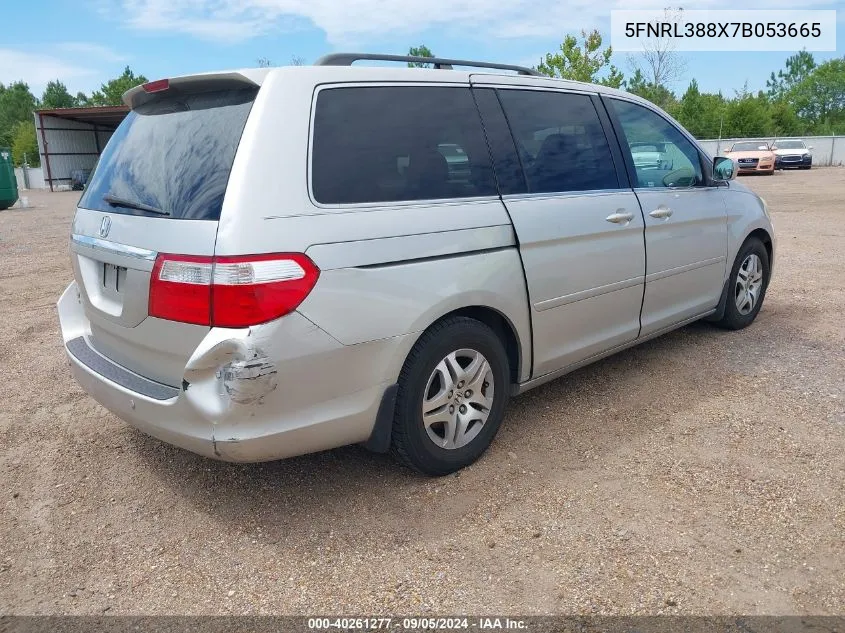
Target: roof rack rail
[(346, 59)]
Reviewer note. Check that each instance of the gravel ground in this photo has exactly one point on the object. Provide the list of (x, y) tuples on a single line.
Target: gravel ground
[(699, 473)]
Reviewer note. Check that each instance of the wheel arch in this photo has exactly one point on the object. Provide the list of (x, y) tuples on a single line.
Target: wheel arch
[(764, 236), (501, 325), (768, 243), (504, 329), (497, 321)]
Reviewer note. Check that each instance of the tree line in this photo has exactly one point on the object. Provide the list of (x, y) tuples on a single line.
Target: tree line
[(803, 98)]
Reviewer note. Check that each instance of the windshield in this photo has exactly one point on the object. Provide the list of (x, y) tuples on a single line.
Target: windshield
[(171, 157), (749, 147), (790, 144)]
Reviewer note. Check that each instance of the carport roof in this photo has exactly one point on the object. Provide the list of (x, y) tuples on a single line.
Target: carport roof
[(99, 115)]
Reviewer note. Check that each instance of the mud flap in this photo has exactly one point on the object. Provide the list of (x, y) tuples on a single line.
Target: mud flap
[(723, 302), (379, 440)]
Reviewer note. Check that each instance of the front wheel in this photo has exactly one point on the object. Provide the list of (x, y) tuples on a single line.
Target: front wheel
[(747, 285), (452, 395)]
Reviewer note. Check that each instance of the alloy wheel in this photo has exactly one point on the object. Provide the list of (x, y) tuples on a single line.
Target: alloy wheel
[(749, 283), (457, 398)]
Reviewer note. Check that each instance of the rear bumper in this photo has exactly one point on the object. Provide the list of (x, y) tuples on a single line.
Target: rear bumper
[(168, 420), (308, 393)]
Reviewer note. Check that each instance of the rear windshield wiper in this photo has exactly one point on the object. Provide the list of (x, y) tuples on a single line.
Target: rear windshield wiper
[(116, 201)]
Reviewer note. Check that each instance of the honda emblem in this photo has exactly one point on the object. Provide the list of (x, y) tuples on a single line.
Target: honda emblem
[(105, 225)]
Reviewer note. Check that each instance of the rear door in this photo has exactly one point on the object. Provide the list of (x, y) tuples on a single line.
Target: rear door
[(579, 225), (685, 219), (158, 188)]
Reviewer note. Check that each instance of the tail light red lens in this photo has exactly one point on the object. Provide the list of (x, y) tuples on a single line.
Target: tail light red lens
[(230, 291), (180, 288), (259, 288)]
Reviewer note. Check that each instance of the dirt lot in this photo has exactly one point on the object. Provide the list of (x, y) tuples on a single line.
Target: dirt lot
[(703, 472)]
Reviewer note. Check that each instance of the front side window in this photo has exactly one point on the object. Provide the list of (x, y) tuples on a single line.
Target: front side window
[(662, 155), (402, 143), (560, 140)]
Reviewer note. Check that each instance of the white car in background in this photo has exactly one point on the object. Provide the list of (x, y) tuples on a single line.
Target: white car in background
[(792, 153), (648, 155)]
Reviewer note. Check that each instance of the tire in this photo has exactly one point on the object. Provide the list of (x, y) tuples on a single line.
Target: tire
[(425, 383), (736, 318)]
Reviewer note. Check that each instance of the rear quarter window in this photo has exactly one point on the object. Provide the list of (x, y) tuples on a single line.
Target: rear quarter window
[(403, 143)]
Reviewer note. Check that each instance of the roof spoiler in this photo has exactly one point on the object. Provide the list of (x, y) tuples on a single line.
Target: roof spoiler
[(188, 84)]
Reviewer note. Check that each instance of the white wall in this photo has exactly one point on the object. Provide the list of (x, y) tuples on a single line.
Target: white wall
[(827, 150), (36, 178), (72, 144)]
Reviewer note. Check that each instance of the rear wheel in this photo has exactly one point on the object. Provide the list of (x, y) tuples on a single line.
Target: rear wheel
[(747, 285), (452, 395)]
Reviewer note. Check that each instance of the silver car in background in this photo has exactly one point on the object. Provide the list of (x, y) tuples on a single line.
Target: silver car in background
[(270, 262)]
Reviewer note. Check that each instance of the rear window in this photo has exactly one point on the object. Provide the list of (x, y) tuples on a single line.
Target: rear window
[(385, 144), (171, 157)]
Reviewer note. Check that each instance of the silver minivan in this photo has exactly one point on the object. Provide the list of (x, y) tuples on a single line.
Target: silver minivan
[(270, 262)]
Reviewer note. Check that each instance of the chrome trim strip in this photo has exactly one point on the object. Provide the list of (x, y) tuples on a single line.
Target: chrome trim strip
[(554, 195), (386, 206), (683, 269), (556, 302), (114, 247)]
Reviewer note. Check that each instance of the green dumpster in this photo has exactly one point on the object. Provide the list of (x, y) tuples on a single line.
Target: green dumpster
[(8, 184)]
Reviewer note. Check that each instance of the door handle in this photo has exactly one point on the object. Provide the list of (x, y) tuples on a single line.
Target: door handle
[(661, 213), (620, 217)]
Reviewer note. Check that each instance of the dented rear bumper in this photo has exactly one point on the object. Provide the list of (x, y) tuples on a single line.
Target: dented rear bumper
[(268, 392)]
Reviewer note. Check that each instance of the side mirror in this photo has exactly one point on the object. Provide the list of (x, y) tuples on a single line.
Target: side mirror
[(723, 169)]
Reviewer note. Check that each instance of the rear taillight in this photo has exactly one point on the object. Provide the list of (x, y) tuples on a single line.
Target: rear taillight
[(258, 288), (230, 291)]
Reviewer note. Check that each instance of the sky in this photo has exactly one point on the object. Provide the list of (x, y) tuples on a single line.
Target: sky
[(86, 42)]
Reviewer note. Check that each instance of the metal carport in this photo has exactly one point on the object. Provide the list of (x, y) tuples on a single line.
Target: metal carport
[(73, 138)]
